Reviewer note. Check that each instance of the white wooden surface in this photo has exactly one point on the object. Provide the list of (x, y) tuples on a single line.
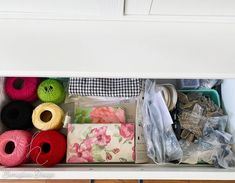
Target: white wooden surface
[(193, 7), (141, 172), (61, 7), (158, 47), (117, 49)]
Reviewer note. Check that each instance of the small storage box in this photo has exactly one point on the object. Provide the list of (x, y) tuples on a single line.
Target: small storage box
[(90, 143)]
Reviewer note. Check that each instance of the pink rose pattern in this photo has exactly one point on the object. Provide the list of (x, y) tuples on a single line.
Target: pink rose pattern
[(127, 131), (84, 152), (100, 136), (107, 115)]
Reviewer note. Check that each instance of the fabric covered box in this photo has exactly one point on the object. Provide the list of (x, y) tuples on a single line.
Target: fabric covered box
[(91, 143)]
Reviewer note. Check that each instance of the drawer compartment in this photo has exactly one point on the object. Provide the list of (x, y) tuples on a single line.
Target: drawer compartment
[(130, 171)]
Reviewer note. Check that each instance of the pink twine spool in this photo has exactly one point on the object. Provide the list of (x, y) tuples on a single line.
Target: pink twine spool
[(14, 147), (22, 88)]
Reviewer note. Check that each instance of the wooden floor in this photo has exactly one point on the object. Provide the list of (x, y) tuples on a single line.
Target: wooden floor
[(112, 181)]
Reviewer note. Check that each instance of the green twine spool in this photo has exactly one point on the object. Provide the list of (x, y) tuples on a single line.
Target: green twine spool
[(51, 90)]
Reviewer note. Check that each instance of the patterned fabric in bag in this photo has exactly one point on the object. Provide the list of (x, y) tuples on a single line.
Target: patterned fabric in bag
[(105, 87)]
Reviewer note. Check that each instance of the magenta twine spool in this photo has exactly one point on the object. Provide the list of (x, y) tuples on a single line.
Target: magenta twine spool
[(22, 88)]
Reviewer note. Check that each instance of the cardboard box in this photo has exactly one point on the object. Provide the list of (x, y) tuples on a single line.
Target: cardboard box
[(91, 143), (133, 112)]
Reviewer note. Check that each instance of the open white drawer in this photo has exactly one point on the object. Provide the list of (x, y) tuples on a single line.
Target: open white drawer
[(117, 49)]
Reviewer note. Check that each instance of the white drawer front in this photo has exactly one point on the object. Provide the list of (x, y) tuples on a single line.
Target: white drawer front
[(137, 7), (193, 7), (75, 7)]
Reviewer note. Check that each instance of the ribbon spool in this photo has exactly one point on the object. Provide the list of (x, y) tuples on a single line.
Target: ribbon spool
[(51, 90), (17, 115), (14, 147), (48, 148), (22, 88), (48, 116), (169, 94)]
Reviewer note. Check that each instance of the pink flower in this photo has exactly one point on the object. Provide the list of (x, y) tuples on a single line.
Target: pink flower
[(133, 153), (83, 155), (116, 150), (87, 144), (127, 131), (108, 156), (101, 138), (107, 115), (70, 128)]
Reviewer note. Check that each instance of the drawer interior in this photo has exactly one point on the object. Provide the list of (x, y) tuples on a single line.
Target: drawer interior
[(130, 170)]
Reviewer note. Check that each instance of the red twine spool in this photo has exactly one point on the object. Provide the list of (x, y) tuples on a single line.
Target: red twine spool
[(48, 148), (22, 88)]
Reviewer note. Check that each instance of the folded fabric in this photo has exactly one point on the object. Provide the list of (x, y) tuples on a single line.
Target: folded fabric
[(106, 87), (100, 115), (88, 143)]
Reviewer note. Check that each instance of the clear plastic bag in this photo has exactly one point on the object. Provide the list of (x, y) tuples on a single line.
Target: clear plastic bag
[(209, 83), (214, 147), (162, 144)]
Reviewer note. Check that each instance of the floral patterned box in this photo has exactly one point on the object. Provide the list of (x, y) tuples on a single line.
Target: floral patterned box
[(87, 143)]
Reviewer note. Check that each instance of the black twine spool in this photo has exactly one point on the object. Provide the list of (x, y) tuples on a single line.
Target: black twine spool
[(17, 115)]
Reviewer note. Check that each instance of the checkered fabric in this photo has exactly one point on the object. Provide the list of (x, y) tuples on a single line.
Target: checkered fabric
[(105, 87)]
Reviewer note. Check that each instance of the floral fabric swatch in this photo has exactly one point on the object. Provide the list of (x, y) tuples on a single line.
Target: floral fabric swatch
[(88, 143), (100, 115)]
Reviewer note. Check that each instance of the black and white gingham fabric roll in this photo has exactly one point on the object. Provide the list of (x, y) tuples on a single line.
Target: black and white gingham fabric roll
[(105, 87)]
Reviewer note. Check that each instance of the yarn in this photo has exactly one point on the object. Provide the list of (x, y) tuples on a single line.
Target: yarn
[(3, 101), (48, 148), (51, 90), (14, 147), (17, 115), (48, 116), (22, 88)]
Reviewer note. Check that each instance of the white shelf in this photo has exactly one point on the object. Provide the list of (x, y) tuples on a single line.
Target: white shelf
[(132, 172)]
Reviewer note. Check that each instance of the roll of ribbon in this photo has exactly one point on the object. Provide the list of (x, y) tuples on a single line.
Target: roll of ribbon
[(17, 115), (48, 148), (48, 116), (14, 147), (51, 90), (22, 88)]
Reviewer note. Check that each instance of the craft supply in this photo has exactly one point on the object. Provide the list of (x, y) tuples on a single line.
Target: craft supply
[(194, 108), (209, 83), (208, 93), (206, 100), (48, 116), (51, 90), (214, 146), (14, 147), (162, 144), (89, 143), (188, 83), (17, 115), (169, 94), (22, 88), (228, 97), (3, 101), (100, 115), (48, 148), (106, 87)]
